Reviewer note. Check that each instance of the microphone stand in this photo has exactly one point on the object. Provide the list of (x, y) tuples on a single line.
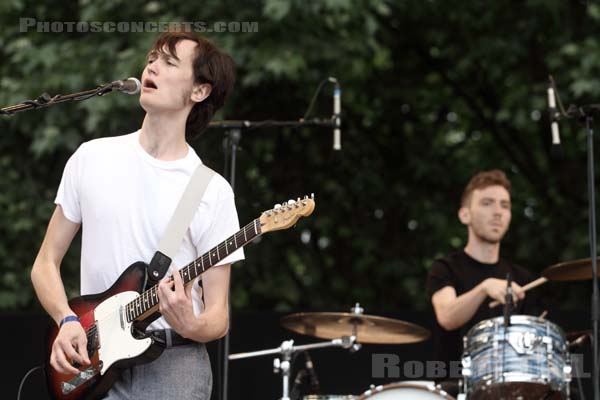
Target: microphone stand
[(508, 305), (508, 302), (287, 349), (585, 115), (231, 144), (593, 251), (44, 100)]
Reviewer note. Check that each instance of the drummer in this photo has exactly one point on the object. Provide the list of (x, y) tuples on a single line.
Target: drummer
[(462, 284)]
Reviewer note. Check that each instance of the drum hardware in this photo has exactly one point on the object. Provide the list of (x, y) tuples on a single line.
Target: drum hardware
[(355, 324), (282, 365), (349, 330)]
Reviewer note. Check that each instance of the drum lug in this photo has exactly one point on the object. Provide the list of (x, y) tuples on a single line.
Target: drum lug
[(567, 370), (466, 366)]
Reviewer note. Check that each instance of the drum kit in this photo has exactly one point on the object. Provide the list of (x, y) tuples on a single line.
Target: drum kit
[(526, 358)]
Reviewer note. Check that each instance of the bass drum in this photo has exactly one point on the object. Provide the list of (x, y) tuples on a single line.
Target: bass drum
[(417, 390), (329, 397)]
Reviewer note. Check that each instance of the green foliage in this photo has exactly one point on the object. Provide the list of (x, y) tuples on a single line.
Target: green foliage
[(432, 93)]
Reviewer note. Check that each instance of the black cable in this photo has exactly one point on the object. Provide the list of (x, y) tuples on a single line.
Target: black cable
[(314, 98), (560, 104), (25, 378), (315, 385), (292, 362), (295, 392)]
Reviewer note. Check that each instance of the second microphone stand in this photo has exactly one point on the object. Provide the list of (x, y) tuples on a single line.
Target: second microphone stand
[(231, 144), (585, 114)]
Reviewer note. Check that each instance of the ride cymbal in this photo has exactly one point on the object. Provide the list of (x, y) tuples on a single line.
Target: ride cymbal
[(576, 270)]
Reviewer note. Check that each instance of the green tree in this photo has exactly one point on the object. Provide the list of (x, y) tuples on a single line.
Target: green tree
[(433, 92)]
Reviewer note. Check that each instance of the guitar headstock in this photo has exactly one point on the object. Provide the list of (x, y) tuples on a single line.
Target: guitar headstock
[(282, 216)]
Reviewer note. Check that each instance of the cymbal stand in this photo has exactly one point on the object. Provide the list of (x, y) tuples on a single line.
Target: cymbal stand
[(287, 349)]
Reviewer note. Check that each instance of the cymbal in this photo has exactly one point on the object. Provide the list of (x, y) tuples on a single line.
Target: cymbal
[(576, 270), (366, 328)]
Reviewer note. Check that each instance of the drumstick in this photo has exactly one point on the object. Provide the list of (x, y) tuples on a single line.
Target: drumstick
[(530, 285)]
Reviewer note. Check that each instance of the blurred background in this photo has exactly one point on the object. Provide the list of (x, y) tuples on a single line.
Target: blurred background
[(432, 92)]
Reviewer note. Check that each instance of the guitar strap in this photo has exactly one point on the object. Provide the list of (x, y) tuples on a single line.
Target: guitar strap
[(179, 223)]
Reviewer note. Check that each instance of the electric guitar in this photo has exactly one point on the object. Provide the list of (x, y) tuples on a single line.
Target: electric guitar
[(115, 320)]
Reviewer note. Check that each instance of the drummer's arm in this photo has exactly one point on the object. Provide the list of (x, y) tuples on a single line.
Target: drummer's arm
[(451, 311)]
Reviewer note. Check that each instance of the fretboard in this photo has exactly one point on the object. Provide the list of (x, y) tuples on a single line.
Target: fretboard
[(149, 299)]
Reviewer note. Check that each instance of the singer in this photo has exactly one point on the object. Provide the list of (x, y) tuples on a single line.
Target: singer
[(121, 191), (460, 283)]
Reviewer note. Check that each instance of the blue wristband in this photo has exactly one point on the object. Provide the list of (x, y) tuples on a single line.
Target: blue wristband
[(70, 318)]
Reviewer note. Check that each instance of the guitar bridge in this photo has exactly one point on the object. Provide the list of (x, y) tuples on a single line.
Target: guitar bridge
[(79, 379)]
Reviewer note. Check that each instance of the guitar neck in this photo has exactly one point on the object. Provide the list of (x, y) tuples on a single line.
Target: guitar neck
[(147, 303)]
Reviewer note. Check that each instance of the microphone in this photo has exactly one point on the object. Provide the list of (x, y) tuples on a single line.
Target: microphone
[(337, 109), (127, 86), (314, 380), (556, 150), (508, 302)]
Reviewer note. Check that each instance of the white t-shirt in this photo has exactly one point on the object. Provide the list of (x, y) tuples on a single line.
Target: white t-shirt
[(124, 198)]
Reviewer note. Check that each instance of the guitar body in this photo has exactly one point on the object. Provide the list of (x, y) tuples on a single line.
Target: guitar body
[(113, 342), (115, 320)]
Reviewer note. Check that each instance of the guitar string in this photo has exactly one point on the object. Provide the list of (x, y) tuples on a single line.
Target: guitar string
[(254, 225)]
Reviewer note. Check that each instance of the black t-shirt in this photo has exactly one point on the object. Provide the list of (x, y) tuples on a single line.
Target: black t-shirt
[(463, 273)]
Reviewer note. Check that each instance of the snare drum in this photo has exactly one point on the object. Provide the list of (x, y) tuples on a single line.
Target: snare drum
[(529, 360), (406, 391)]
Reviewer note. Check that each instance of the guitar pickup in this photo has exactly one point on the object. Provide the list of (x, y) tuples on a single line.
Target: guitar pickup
[(121, 315)]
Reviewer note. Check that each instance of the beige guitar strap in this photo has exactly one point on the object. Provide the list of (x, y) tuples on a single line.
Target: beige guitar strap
[(180, 221)]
